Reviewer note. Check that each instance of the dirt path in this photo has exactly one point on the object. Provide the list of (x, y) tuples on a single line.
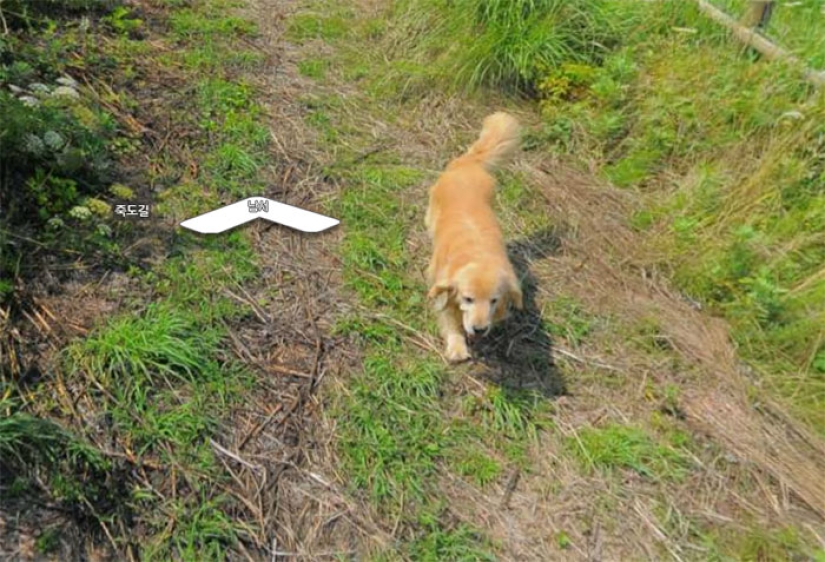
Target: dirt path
[(751, 464), (299, 510)]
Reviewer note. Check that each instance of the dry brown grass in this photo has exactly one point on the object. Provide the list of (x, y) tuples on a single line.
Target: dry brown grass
[(763, 435)]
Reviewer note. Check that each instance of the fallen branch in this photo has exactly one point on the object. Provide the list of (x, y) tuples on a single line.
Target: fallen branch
[(754, 39)]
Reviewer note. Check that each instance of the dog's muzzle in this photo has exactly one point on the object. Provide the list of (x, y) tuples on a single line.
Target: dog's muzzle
[(478, 333)]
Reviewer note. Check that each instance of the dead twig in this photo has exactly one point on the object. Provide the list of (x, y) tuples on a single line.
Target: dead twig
[(512, 482), (221, 449), (251, 303), (258, 428), (584, 360), (292, 372)]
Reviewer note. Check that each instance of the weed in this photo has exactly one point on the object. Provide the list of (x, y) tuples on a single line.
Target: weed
[(191, 23), (24, 438), (475, 464), (48, 541), (753, 544), (563, 540)]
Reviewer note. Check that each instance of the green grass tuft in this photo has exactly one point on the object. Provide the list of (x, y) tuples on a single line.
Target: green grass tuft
[(623, 447), (329, 26), (501, 44)]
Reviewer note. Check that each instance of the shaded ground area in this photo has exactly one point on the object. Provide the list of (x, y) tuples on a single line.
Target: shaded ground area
[(518, 355)]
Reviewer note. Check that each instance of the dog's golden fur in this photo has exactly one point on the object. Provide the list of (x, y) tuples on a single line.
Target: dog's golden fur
[(471, 279)]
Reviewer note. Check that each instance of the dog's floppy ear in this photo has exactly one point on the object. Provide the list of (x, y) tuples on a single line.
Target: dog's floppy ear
[(514, 293), (440, 294)]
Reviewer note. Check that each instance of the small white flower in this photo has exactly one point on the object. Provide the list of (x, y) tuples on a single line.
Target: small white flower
[(104, 230), (55, 223), (33, 144), (80, 213), (29, 101), (53, 140), (39, 88), (793, 114), (67, 81), (65, 91)]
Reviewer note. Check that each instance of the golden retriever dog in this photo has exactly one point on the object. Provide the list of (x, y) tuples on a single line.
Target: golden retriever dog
[(472, 282)]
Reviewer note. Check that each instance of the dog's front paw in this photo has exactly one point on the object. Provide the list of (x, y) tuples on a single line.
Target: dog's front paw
[(457, 350)]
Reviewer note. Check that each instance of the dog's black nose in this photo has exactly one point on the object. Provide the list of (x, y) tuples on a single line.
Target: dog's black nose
[(479, 329)]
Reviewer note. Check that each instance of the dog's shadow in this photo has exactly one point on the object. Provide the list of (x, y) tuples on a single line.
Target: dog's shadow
[(518, 353)]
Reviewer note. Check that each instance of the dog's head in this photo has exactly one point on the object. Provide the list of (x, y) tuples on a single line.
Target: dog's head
[(478, 292)]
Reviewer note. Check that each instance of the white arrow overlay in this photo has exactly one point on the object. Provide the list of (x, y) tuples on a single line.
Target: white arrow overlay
[(253, 208)]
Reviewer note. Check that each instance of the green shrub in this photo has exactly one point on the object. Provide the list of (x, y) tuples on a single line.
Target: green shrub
[(25, 13), (57, 147), (49, 158)]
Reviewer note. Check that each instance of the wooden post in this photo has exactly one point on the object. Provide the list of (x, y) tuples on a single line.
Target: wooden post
[(758, 14), (755, 40)]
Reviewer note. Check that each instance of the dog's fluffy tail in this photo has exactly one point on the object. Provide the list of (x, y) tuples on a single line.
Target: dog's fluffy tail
[(499, 138)]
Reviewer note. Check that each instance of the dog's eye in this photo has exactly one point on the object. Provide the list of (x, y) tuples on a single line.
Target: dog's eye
[(494, 301), (468, 300)]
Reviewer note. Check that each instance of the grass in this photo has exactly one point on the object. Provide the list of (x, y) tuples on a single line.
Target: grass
[(501, 44), (160, 375), (393, 427), (623, 105), (743, 214), (313, 68), (307, 26), (568, 319), (732, 192), (392, 454), (731, 185), (460, 543), (782, 544), (796, 26), (24, 437), (645, 109), (623, 447)]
